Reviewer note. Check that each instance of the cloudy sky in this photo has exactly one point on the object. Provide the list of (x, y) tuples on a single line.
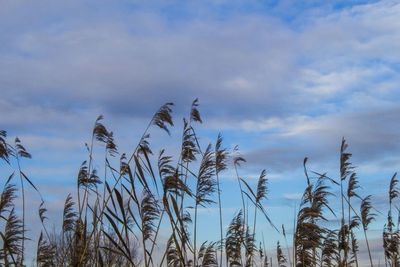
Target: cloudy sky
[(281, 79)]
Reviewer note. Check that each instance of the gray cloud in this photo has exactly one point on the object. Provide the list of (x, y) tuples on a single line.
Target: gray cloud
[(372, 135), (245, 66), (130, 73)]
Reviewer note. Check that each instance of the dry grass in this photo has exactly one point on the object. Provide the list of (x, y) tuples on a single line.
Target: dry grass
[(117, 216)]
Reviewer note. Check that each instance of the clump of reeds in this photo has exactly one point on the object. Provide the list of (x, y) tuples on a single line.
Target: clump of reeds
[(121, 209)]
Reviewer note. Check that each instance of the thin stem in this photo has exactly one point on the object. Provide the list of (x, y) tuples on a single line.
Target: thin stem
[(23, 210), (294, 236), (342, 221), (195, 235), (241, 191), (255, 220), (220, 217), (156, 234), (369, 251), (288, 251)]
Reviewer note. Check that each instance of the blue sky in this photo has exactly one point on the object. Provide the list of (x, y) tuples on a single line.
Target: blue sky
[(281, 79)]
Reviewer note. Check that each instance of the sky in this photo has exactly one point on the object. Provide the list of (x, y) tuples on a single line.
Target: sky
[(283, 80)]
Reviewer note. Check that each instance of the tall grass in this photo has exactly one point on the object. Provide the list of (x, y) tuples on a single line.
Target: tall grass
[(121, 209)]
